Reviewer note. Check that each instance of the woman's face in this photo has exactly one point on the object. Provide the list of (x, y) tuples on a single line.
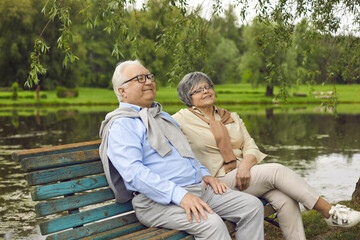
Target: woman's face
[(203, 95)]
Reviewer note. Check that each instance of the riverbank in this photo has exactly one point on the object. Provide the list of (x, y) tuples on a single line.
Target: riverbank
[(317, 229), (228, 94)]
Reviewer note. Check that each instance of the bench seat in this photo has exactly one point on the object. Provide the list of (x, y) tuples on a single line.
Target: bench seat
[(74, 200)]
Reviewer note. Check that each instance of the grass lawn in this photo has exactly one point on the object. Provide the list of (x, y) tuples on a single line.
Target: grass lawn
[(228, 95), (317, 229)]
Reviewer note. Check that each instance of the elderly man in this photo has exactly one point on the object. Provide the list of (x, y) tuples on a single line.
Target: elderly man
[(146, 156)]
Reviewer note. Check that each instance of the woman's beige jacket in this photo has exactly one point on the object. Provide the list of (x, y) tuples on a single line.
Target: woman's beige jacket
[(203, 143)]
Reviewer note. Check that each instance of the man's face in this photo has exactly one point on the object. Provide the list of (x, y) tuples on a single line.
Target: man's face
[(140, 94)]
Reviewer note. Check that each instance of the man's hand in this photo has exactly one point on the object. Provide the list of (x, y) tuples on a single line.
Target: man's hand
[(193, 204), (218, 186)]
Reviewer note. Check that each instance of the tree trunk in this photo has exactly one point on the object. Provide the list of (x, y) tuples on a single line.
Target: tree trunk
[(269, 112), (356, 194), (269, 91), (37, 92)]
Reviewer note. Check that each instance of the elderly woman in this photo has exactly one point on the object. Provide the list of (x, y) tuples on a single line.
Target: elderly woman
[(221, 142)]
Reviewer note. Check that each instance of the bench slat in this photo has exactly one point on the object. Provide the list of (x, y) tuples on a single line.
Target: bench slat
[(19, 156), (169, 235), (73, 202), (143, 233), (155, 234), (114, 233), (63, 173), (59, 160), (189, 237), (64, 188), (107, 227), (74, 220)]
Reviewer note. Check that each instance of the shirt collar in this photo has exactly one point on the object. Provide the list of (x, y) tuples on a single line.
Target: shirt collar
[(135, 107)]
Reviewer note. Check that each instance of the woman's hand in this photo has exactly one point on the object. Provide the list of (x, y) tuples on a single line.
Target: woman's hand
[(243, 172), (218, 186), (242, 177)]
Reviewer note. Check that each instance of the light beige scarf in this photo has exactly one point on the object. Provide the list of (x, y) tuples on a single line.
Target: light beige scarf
[(159, 130)]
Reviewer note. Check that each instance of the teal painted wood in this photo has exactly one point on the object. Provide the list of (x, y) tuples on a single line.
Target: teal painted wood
[(64, 188), (142, 234), (158, 232), (189, 237), (118, 232), (73, 202), (73, 147), (155, 233), (165, 234), (59, 160), (122, 225), (84, 217), (63, 173), (179, 235)]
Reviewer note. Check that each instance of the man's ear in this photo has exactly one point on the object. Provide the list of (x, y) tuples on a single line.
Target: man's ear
[(122, 92)]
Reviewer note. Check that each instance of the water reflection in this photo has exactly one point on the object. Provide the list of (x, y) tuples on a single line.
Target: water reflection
[(322, 149)]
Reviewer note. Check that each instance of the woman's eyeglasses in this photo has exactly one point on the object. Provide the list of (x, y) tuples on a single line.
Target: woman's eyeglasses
[(202, 89)]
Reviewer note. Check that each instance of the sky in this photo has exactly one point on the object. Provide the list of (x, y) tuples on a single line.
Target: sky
[(207, 5)]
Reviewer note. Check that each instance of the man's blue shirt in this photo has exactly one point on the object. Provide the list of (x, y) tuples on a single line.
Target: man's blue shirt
[(143, 169)]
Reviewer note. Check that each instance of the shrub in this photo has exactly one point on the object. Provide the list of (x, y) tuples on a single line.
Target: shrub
[(62, 92)]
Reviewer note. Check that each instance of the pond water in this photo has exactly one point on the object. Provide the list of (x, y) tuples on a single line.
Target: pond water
[(321, 147)]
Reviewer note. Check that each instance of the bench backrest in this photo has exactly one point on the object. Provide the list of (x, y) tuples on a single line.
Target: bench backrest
[(69, 183)]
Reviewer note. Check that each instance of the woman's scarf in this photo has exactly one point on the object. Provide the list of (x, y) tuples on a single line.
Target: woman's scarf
[(221, 136)]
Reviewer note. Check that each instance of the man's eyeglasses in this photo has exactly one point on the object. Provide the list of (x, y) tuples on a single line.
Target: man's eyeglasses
[(142, 78), (202, 89)]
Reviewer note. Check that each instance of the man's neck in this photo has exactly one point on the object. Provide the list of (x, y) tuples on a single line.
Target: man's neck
[(126, 103)]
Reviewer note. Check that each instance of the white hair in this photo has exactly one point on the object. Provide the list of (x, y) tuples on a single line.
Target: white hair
[(118, 78)]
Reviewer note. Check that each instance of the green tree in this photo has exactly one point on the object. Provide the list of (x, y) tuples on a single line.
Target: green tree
[(20, 23), (224, 62), (17, 20), (228, 26), (268, 59), (185, 36)]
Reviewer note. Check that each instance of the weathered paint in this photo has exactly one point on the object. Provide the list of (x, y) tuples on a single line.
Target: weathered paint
[(114, 233), (59, 160), (76, 201), (118, 226), (19, 156), (88, 216), (63, 173), (63, 188)]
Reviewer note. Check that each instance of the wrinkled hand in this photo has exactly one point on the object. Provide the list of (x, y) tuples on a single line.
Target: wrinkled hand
[(218, 186), (193, 204), (242, 177)]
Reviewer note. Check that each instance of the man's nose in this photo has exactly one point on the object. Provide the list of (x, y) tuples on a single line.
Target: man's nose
[(148, 81)]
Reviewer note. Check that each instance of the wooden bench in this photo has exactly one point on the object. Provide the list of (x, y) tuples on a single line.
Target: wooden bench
[(75, 201)]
